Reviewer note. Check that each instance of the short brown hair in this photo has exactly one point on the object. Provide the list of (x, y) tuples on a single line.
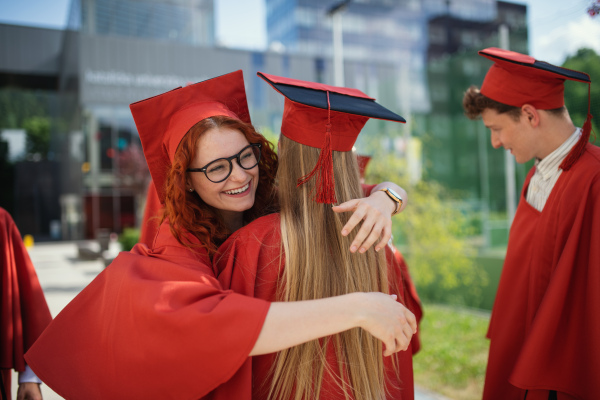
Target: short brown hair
[(475, 103)]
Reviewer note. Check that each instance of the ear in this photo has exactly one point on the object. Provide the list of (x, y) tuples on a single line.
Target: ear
[(188, 184), (531, 114)]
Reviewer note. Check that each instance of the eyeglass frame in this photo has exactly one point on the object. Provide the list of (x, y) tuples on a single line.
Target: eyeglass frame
[(229, 159)]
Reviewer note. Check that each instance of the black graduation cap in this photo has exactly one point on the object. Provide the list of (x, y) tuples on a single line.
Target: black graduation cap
[(326, 117)]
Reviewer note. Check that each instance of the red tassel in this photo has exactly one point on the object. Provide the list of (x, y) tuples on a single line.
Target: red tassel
[(325, 184), (579, 147)]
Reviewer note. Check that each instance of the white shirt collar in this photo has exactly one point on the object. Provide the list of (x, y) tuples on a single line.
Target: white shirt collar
[(550, 164)]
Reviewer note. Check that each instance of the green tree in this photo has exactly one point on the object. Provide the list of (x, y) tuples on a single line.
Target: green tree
[(37, 135), (435, 234), (17, 105), (576, 93), (270, 135)]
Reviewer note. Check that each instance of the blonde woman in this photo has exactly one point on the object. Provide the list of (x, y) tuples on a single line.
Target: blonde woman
[(300, 254)]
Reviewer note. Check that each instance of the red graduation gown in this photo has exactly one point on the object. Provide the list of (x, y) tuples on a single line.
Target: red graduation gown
[(24, 311), (151, 219), (411, 298), (249, 263), (412, 301), (545, 324), (155, 324)]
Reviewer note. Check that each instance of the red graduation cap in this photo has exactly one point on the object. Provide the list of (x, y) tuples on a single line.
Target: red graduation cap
[(326, 117), (163, 120), (517, 79)]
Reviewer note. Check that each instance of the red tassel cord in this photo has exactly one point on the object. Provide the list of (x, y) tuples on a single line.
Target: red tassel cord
[(325, 183), (579, 147)]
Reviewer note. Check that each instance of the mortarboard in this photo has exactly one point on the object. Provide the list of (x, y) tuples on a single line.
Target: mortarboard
[(516, 79), (163, 120), (326, 117)]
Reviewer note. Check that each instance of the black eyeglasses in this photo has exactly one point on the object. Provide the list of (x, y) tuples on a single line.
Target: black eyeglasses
[(218, 170)]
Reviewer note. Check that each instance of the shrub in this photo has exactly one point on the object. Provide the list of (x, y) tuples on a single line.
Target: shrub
[(434, 233), (129, 238)]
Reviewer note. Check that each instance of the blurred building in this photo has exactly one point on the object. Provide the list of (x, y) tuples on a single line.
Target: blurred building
[(459, 152), (182, 21), (431, 44), (114, 53), (403, 33)]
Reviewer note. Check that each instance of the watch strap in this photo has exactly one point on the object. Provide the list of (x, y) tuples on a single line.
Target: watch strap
[(396, 198)]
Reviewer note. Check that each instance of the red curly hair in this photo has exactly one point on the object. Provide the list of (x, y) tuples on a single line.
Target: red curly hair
[(188, 213)]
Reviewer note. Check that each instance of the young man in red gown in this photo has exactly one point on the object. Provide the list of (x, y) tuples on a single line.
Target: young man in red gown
[(545, 323)]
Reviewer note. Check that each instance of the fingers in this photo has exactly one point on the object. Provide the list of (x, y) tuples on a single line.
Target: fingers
[(346, 206), (408, 327), (358, 216), (386, 235), (398, 342), (375, 228), (363, 239), (408, 333), (390, 346), (389, 321), (403, 333), (412, 320), (372, 228)]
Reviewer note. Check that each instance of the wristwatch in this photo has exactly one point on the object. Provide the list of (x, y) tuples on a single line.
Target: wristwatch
[(395, 197)]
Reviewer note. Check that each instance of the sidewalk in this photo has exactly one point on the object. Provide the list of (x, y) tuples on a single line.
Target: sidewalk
[(62, 276)]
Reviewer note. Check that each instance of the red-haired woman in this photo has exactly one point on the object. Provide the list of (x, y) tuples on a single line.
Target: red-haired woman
[(156, 324)]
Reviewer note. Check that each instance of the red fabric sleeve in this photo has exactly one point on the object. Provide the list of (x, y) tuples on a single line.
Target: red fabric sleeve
[(25, 313), (154, 324), (367, 189), (411, 298), (151, 219)]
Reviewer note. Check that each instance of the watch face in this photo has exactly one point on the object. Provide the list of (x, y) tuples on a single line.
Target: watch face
[(393, 193)]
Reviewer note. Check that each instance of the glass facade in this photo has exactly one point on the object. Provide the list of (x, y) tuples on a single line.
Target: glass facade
[(432, 45), (373, 32), (377, 31), (115, 173), (184, 21), (103, 76)]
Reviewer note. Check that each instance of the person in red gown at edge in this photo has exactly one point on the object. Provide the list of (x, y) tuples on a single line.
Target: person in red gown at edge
[(409, 289), (156, 323), (152, 215), (299, 254), (545, 325), (24, 311)]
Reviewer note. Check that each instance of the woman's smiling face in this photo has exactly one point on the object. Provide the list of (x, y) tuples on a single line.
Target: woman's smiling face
[(236, 193)]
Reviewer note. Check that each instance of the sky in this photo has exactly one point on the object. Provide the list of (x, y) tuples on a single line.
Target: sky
[(557, 28)]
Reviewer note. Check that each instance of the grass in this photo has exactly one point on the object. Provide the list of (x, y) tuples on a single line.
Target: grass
[(453, 353)]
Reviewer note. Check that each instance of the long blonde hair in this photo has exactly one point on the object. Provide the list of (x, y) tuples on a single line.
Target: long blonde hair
[(318, 264)]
